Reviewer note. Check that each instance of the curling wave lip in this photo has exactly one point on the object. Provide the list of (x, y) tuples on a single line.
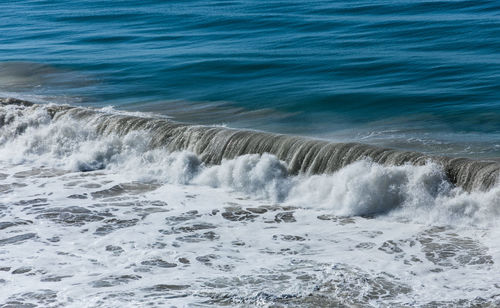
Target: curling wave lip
[(302, 155)]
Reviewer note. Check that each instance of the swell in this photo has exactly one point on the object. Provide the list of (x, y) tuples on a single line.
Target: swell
[(302, 155)]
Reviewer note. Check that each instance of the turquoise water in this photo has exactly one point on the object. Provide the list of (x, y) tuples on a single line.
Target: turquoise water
[(122, 207), (421, 75)]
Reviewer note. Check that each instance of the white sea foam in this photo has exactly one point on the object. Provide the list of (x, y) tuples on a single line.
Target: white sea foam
[(105, 220), (419, 193)]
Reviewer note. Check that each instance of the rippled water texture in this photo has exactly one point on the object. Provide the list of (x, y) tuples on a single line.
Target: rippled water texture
[(150, 171), (421, 75)]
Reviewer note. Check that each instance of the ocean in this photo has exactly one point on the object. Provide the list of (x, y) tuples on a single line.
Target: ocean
[(250, 153)]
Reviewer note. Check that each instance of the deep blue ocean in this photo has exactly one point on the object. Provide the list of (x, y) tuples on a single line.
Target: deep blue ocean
[(420, 75), (109, 199)]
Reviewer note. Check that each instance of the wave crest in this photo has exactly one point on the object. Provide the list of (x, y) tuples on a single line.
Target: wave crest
[(84, 140)]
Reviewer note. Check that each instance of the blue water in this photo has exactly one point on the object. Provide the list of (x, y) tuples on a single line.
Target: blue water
[(420, 75)]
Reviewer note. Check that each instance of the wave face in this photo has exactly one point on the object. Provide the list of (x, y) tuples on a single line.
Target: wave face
[(301, 155), (408, 74), (348, 179), (420, 68)]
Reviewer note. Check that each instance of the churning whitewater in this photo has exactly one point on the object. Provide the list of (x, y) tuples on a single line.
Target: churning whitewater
[(102, 207), (354, 179)]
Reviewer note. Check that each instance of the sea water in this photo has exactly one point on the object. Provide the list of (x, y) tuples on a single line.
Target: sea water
[(102, 205)]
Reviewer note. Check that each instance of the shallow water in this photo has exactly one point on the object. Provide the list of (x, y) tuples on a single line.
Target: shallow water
[(117, 204), (101, 238), (90, 220)]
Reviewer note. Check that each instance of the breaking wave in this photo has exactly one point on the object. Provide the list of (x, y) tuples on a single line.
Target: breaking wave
[(348, 179)]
